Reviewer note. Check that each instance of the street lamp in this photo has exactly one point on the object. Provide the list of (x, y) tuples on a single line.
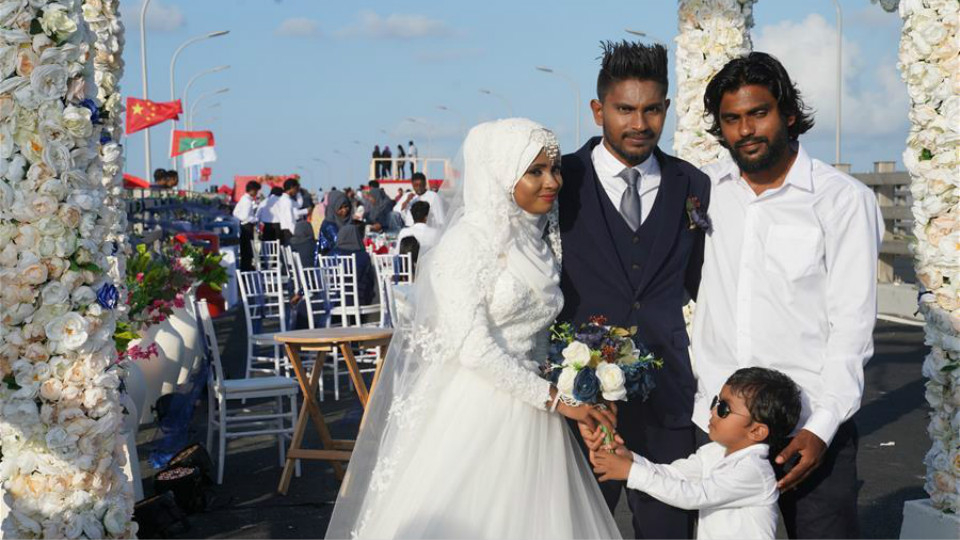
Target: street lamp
[(325, 166), (186, 89), (211, 106), (839, 73), (199, 100), (143, 77), (576, 90), (642, 34), (458, 115), (173, 63), (501, 97)]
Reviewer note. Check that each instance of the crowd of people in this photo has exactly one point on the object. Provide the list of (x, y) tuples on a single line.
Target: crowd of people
[(386, 162)]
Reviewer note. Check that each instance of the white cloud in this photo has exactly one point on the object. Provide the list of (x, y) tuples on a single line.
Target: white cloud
[(298, 27), (874, 100), (160, 16), (395, 26), (441, 56)]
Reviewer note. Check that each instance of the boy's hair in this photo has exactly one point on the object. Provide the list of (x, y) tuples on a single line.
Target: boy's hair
[(625, 60), (419, 211), (772, 399), (253, 185), (276, 190), (290, 183)]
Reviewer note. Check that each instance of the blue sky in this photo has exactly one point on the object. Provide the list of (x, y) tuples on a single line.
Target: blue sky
[(310, 77)]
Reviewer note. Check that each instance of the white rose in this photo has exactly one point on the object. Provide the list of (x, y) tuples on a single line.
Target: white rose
[(33, 273), (69, 330), (576, 354), (565, 381), (56, 22), (84, 296), (76, 120), (50, 389), (115, 520), (612, 381), (49, 81), (55, 293)]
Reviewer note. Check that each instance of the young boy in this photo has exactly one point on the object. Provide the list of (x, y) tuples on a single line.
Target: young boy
[(730, 480)]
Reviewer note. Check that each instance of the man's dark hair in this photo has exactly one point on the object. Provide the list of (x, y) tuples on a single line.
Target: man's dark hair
[(412, 246), (290, 183), (626, 60), (419, 210), (159, 174), (418, 176), (373, 184), (252, 185), (772, 399), (276, 190), (759, 69), (411, 142)]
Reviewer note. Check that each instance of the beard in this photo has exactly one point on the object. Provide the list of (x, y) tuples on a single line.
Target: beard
[(776, 148), (617, 146)]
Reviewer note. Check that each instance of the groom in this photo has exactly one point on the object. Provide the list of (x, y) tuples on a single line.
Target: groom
[(632, 253)]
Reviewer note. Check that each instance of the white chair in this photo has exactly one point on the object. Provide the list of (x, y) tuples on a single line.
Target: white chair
[(231, 423), (349, 309), (391, 270), (264, 305), (268, 255)]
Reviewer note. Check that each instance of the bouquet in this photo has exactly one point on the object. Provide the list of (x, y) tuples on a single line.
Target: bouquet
[(597, 362)]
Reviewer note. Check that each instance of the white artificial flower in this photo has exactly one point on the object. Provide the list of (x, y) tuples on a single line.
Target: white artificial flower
[(68, 330), (76, 120), (576, 354), (49, 81), (612, 381), (565, 381), (56, 22)]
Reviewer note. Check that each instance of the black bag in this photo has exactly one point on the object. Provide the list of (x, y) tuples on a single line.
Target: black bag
[(160, 517), (197, 456), (187, 485)]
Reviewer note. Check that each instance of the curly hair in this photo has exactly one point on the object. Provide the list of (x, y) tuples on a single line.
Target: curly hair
[(772, 399), (627, 60), (759, 69)]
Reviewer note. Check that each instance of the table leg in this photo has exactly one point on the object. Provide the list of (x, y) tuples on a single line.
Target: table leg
[(373, 384), (310, 408), (347, 350)]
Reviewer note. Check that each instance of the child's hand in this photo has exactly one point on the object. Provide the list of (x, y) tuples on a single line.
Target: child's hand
[(614, 466)]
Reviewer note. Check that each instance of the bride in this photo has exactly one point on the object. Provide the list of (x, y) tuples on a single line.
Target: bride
[(462, 437)]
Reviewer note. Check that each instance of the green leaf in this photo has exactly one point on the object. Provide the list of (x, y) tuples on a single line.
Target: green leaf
[(926, 155), (35, 27), (11, 382), (949, 368)]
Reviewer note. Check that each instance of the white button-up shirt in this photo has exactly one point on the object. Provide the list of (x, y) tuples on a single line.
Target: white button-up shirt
[(736, 494), (285, 211), (608, 169), (789, 283), (435, 218), (426, 236), (245, 210), (266, 213)]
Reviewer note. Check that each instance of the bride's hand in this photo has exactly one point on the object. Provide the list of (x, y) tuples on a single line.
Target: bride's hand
[(587, 415)]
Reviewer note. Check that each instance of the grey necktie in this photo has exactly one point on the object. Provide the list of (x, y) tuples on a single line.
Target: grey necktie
[(630, 201)]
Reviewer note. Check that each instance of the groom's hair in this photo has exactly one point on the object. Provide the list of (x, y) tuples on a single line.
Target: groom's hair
[(772, 399), (627, 60), (757, 69)]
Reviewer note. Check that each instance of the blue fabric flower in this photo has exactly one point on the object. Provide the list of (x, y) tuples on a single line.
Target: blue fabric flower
[(639, 381), (94, 110), (586, 386), (108, 296), (591, 336), (105, 137)]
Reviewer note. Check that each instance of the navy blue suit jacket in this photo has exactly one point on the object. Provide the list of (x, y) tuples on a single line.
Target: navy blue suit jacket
[(641, 279)]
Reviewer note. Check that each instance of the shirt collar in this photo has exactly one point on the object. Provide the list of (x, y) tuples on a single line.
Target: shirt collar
[(762, 450), (609, 165), (800, 174)]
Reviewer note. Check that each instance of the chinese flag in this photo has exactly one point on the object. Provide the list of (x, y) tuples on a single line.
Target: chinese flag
[(142, 113)]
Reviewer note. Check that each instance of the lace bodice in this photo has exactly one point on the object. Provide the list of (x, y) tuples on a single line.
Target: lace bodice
[(520, 317)]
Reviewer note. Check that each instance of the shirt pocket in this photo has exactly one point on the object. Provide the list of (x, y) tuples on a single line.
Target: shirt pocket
[(794, 251)]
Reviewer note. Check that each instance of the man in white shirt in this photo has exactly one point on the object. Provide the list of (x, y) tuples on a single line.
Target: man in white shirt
[(412, 156), (287, 210), (421, 193), (266, 215), (789, 283), (246, 212), (426, 235)]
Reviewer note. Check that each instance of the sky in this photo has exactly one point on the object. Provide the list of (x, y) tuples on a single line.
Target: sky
[(315, 84)]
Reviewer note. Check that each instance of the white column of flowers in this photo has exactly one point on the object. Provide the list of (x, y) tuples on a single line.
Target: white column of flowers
[(930, 65), (60, 413), (712, 32)]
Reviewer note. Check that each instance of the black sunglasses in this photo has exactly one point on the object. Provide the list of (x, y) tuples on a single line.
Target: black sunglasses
[(723, 408)]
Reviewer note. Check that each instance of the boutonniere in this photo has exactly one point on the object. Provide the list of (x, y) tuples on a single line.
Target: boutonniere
[(696, 217)]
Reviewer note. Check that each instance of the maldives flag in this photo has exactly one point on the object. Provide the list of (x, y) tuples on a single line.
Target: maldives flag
[(185, 141), (205, 173), (142, 113)]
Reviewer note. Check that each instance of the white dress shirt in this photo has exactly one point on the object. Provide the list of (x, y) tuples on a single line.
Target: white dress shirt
[(285, 210), (789, 283), (436, 216), (736, 494), (608, 168), (426, 236), (265, 213), (245, 210)]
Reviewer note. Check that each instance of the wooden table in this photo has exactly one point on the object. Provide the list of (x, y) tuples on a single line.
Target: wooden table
[(327, 340)]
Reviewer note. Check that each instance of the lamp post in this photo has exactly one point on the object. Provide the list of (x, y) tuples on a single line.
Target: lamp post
[(836, 5), (458, 115), (200, 100), (576, 90), (642, 34), (325, 166), (143, 78), (186, 89), (173, 63), (500, 97)]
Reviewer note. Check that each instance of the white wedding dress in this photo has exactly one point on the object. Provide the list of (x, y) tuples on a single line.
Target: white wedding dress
[(457, 441)]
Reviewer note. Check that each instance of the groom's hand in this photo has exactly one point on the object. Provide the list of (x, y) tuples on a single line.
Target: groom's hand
[(811, 450)]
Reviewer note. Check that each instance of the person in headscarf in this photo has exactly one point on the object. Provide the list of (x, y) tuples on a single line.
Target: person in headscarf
[(380, 209), (350, 242), (337, 216)]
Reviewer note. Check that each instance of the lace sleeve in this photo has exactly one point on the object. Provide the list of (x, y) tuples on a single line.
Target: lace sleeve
[(464, 320)]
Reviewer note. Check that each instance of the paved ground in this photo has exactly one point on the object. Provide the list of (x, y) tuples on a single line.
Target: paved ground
[(893, 441)]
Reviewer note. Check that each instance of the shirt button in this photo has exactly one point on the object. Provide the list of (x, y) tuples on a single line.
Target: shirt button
[(636, 266), (636, 305), (636, 239)]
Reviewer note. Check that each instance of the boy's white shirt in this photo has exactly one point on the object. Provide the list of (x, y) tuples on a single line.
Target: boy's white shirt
[(736, 494)]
